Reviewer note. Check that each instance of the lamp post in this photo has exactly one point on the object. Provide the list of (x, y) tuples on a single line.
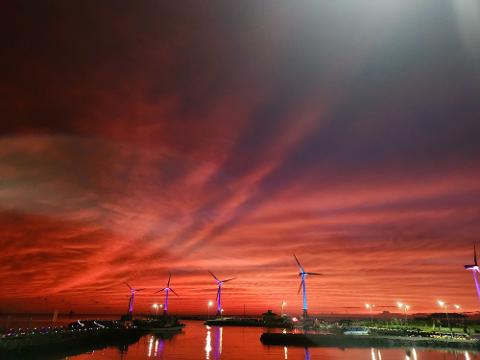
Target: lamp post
[(457, 308), (209, 305), (444, 305), (405, 308), (284, 303), (370, 307), (155, 307), (221, 313)]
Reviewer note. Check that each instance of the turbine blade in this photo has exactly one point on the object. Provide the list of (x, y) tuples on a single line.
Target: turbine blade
[(140, 289), (298, 262), (300, 287), (224, 281), (475, 254), (156, 292), (312, 273), (128, 286), (169, 277), (173, 291), (213, 275)]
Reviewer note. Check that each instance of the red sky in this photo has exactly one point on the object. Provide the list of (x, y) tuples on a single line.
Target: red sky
[(141, 138)]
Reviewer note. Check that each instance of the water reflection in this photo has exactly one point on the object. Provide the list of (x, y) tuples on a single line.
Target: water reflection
[(199, 342), (217, 333), (307, 354), (411, 354), (220, 341), (208, 343), (155, 346), (376, 354)]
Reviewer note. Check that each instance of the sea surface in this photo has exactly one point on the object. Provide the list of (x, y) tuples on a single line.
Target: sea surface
[(198, 341)]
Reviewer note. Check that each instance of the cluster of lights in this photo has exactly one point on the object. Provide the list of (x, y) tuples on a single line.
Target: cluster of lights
[(403, 306), (444, 305), (15, 333)]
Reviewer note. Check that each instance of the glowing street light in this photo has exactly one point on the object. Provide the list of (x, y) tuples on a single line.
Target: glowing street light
[(444, 305), (155, 307), (370, 307), (405, 308), (457, 307), (221, 313), (284, 303), (209, 305)]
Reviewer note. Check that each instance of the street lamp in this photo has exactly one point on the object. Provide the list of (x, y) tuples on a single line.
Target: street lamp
[(444, 305), (210, 304), (370, 307), (405, 308), (155, 306), (221, 313), (284, 303)]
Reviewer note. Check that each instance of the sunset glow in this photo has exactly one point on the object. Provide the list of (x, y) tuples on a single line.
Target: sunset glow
[(143, 139)]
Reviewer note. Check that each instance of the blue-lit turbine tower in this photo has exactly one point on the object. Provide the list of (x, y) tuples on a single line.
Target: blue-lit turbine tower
[(132, 298), (166, 289), (304, 293), (303, 274), (219, 292), (475, 269)]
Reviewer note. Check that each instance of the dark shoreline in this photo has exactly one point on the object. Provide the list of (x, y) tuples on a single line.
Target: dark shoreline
[(366, 341)]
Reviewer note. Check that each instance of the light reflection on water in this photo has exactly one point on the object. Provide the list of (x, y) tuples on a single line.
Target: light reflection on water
[(198, 341)]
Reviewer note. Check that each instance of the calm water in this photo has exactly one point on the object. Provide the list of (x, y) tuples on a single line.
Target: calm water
[(232, 343), (198, 342)]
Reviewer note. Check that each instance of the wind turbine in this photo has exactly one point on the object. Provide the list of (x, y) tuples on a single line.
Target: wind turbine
[(475, 269), (219, 292), (167, 289), (132, 298), (303, 274)]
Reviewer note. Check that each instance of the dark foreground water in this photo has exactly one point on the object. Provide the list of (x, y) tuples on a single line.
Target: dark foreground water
[(230, 343), (199, 342)]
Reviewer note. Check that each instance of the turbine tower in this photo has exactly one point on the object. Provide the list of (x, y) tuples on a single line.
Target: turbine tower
[(167, 289), (219, 292), (132, 298), (475, 270), (303, 274)]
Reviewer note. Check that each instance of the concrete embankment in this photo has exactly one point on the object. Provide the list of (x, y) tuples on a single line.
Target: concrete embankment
[(346, 341)]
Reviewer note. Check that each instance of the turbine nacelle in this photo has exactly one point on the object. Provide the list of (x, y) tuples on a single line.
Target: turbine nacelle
[(472, 267), (308, 273), (133, 290), (475, 266), (167, 288), (220, 282)]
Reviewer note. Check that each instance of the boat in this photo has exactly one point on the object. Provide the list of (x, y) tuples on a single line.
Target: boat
[(161, 324), (356, 330)]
